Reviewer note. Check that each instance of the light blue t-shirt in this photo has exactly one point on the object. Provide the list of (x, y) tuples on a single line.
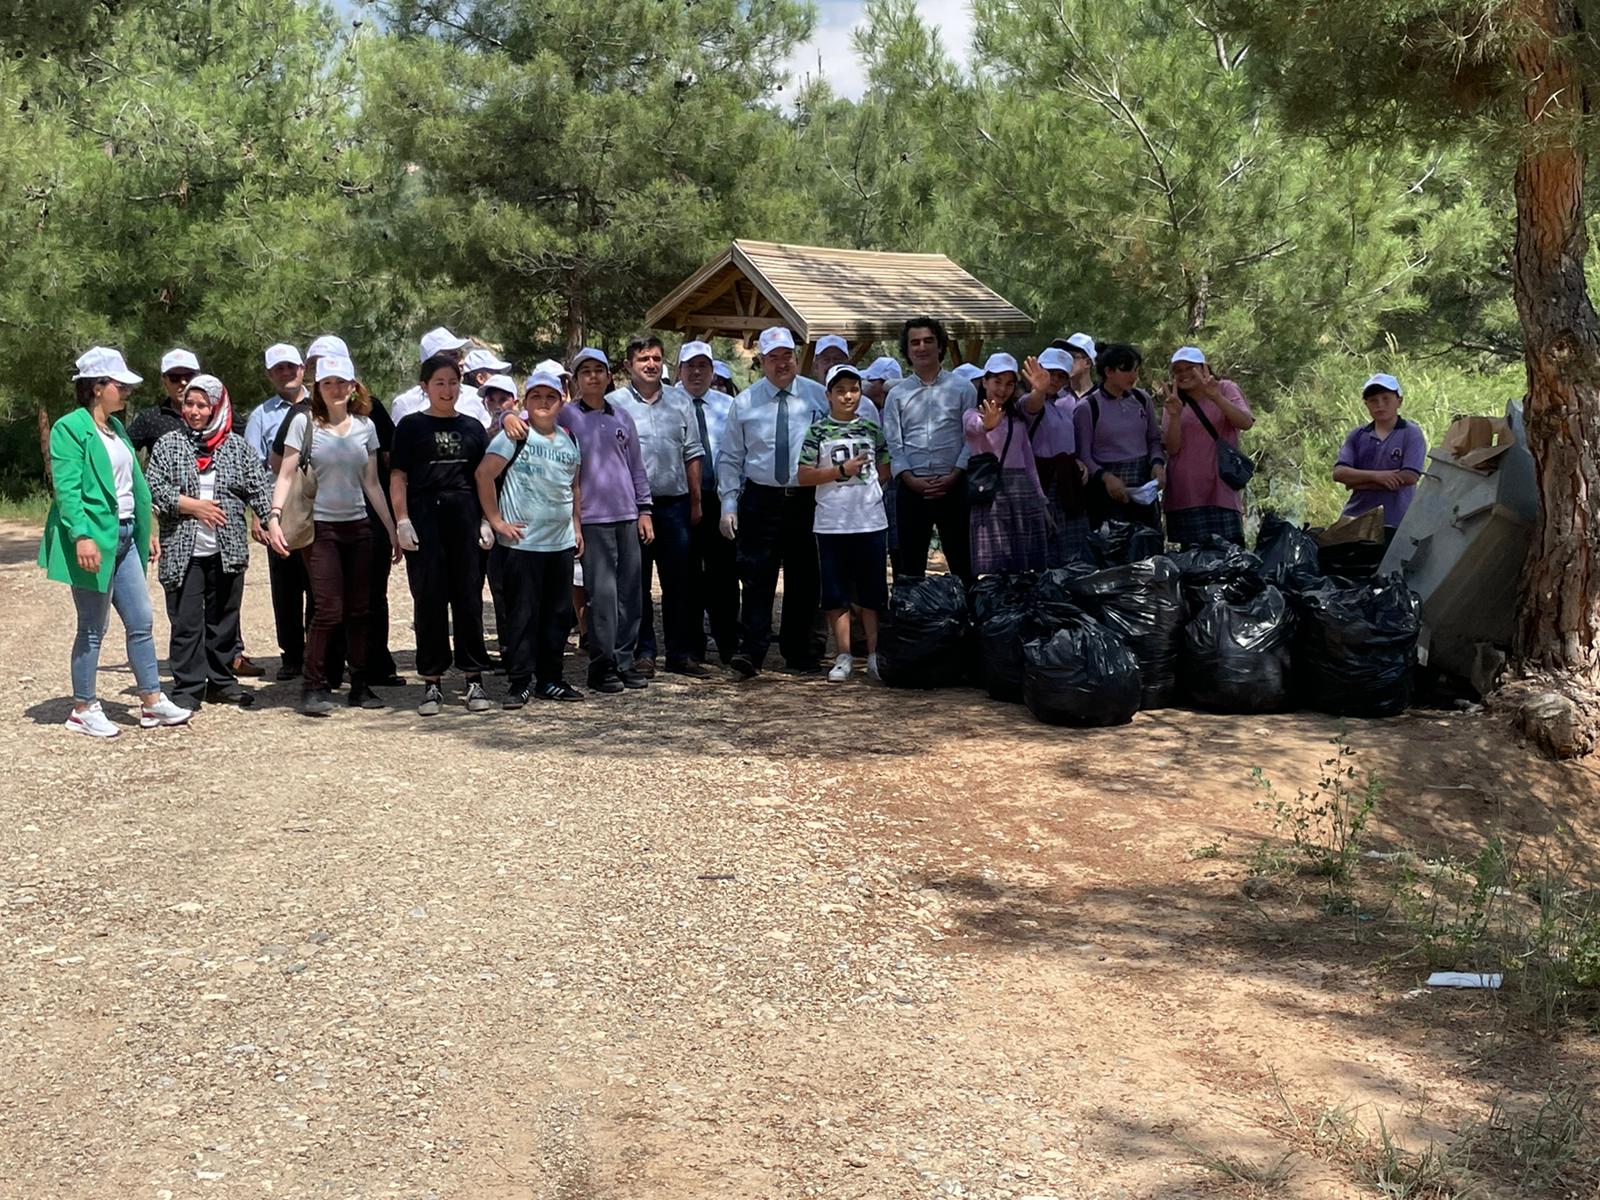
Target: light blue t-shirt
[(537, 489)]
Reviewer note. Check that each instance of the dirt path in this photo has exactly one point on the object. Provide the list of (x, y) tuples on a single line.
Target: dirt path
[(779, 939)]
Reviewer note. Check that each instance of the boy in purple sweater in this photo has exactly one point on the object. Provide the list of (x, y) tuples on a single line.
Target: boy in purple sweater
[(615, 502)]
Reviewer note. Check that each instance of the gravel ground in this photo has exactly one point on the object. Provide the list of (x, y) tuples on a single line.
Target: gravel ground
[(776, 939)]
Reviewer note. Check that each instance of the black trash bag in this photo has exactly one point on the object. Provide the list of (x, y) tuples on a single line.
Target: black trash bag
[(1355, 648), (1051, 604), (1116, 543), (1288, 555), (923, 640), (1142, 604), (1236, 656), (1352, 560), (1000, 607), (1081, 675), (1216, 569)]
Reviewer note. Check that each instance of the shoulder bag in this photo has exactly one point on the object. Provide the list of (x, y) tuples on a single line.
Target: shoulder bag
[(1234, 467), (983, 470), (296, 522)]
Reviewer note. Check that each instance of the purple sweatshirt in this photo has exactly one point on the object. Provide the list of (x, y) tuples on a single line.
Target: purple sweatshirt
[(611, 472), (1129, 428), (1018, 456)]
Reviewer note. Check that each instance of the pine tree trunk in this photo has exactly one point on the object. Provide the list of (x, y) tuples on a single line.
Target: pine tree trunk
[(577, 314), (1556, 697)]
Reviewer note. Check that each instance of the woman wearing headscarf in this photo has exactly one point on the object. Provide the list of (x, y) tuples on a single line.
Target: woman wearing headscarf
[(98, 539), (1010, 532), (201, 479)]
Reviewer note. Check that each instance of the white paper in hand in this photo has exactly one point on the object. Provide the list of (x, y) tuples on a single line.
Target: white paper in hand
[(1145, 493)]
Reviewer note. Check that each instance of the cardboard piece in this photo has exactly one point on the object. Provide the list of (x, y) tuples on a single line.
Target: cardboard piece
[(1475, 442), (1368, 527)]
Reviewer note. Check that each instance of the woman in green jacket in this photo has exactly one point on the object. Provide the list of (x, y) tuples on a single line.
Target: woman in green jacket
[(98, 538)]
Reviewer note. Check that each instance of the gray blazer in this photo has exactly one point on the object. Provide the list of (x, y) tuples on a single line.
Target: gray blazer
[(240, 481)]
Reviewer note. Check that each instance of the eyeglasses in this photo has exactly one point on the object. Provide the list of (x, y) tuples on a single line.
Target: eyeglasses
[(178, 376)]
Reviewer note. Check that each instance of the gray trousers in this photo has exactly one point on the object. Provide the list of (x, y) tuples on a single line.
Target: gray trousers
[(611, 574)]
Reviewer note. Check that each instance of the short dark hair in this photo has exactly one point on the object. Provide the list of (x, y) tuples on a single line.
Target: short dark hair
[(1119, 356), (639, 342), (83, 389), (1062, 344), (932, 323), (432, 366)]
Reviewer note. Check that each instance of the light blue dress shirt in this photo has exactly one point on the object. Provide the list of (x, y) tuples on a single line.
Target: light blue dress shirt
[(262, 428), (749, 440), (718, 404), (669, 436), (922, 424)]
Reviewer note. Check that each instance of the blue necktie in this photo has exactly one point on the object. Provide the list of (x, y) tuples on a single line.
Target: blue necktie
[(780, 466)]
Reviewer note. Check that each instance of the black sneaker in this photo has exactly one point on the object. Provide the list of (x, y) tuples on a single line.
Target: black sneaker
[(477, 699), (432, 701), (634, 679), (687, 666), (559, 690), (743, 666), (316, 704), (361, 696), (518, 697), (610, 683), (227, 695)]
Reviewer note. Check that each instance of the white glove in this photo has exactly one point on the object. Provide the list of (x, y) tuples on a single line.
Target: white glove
[(729, 525), (406, 533), (485, 535)]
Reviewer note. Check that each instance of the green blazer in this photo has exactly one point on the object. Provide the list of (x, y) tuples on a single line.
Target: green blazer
[(86, 503)]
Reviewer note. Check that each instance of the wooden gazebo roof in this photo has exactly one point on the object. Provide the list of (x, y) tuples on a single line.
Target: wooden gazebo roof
[(861, 294)]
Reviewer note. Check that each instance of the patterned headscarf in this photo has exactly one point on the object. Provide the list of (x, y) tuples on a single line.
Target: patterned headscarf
[(218, 427)]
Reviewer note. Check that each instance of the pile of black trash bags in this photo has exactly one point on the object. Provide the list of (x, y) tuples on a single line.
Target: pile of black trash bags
[(1215, 626)]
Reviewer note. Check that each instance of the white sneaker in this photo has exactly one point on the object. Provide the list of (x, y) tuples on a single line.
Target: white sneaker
[(162, 712), (93, 722), (842, 666), (872, 668)]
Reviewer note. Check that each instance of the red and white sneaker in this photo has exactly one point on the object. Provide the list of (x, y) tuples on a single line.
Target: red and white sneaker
[(92, 722), (163, 712)]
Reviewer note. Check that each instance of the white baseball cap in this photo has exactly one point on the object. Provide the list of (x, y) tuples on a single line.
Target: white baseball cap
[(439, 339), (722, 370), (695, 350), (587, 353), (283, 353), (335, 366), (1055, 359), (1189, 354), (180, 359), (1381, 380), (553, 367), (834, 341), (502, 383), (328, 344), (884, 368), (479, 359), (776, 338), (102, 362), (547, 379), (842, 369), (1000, 362), (1082, 341), (968, 371)]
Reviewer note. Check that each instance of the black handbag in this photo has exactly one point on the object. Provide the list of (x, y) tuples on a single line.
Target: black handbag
[(983, 470), (1234, 467)]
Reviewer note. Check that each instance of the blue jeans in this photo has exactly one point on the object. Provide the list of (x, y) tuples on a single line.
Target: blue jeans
[(127, 592)]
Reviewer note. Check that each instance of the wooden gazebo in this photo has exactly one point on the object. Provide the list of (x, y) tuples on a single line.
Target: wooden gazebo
[(863, 295)]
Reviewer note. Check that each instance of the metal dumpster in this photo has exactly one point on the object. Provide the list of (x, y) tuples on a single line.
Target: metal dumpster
[(1461, 547)]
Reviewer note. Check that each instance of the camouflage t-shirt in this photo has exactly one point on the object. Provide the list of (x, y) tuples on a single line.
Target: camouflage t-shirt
[(853, 505)]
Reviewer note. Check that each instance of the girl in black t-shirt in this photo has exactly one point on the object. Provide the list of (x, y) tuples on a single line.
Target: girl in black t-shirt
[(442, 531)]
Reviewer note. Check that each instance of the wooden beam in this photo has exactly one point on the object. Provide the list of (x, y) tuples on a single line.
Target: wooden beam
[(732, 324)]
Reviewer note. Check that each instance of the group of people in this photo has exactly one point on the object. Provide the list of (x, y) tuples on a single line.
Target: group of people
[(569, 492)]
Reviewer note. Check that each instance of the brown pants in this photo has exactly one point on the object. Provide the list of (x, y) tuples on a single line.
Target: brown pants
[(339, 564)]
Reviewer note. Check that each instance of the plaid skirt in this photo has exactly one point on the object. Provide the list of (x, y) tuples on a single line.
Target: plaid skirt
[(1069, 540), (1012, 532), (1191, 526), (1135, 472)]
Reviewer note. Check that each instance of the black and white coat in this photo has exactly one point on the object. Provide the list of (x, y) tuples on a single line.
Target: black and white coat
[(240, 480)]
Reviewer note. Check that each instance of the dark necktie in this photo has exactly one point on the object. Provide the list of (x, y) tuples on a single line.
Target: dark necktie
[(705, 436), (780, 464)]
